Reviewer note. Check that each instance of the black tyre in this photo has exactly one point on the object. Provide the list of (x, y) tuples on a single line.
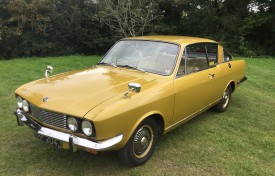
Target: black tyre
[(141, 145), (224, 102)]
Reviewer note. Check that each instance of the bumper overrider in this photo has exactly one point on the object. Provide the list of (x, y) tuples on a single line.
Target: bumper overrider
[(73, 141)]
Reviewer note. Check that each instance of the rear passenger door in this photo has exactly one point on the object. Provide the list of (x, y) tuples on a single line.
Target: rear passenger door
[(195, 81)]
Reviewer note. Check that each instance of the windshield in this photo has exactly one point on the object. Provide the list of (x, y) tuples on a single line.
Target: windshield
[(148, 56)]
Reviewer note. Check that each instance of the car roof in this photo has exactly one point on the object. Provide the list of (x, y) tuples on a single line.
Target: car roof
[(185, 40)]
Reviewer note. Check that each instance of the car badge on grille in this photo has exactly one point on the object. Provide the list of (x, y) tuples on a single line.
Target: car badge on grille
[(46, 99)]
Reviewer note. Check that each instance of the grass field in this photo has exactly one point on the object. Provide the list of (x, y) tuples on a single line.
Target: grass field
[(240, 141)]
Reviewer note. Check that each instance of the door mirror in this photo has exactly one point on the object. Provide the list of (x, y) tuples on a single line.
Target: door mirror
[(134, 87)]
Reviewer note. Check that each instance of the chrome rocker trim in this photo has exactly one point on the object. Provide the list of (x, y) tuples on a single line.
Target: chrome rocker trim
[(73, 141)]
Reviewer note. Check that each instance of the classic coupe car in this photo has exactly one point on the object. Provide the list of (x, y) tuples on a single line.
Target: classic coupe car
[(141, 89)]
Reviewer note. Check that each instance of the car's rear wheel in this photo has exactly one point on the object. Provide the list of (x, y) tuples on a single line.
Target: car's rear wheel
[(141, 145), (225, 101)]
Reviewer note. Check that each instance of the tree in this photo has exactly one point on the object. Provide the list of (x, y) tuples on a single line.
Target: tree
[(23, 27), (64, 27), (128, 17), (259, 27)]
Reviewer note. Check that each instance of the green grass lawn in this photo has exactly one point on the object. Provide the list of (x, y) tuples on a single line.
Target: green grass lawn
[(240, 141)]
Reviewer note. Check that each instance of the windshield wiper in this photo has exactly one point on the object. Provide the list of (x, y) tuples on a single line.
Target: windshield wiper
[(129, 66), (105, 63)]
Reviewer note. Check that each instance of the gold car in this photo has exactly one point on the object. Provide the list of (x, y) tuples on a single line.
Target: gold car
[(141, 89)]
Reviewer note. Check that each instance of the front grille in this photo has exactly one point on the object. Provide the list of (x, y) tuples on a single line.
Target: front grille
[(48, 117)]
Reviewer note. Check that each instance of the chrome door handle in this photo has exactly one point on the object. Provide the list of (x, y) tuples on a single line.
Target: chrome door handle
[(211, 75)]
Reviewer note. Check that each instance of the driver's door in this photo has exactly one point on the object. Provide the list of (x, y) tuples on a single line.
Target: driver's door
[(195, 81)]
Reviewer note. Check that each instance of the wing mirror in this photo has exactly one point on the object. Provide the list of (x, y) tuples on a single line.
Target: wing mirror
[(133, 87), (49, 69)]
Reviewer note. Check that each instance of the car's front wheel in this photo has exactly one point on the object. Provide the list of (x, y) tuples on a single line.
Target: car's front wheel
[(225, 101), (141, 145)]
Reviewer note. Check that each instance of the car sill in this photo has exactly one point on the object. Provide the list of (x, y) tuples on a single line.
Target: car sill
[(189, 117)]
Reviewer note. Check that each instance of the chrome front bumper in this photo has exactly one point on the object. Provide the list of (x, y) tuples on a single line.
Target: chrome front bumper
[(73, 141)]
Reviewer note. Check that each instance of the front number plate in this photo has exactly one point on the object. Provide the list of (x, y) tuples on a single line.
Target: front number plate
[(55, 143)]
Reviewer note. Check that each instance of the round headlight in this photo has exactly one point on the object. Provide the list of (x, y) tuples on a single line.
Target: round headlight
[(19, 101), (25, 105), (87, 128), (72, 124)]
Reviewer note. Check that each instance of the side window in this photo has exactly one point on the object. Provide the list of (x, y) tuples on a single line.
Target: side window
[(199, 56), (226, 56), (212, 53), (195, 56)]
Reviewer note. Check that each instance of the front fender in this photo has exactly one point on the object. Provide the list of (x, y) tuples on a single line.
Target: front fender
[(123, 115)]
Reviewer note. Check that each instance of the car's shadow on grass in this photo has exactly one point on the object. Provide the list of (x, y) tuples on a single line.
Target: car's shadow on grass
[(108, 163), (181, 142)]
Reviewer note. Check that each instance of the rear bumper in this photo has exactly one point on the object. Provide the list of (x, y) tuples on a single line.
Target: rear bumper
[(73, 141), (242, 80)]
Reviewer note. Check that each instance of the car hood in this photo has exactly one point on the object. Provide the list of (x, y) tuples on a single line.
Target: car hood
[(76, 93)]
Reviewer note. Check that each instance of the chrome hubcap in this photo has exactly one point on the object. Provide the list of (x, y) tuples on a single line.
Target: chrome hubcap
[(226, 97), (143, 141)]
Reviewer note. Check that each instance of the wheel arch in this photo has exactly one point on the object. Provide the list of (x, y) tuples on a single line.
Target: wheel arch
[(160, 122), (133, 153), (157, 116), (232, 85)]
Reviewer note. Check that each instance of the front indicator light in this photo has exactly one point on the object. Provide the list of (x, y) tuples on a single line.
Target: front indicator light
[(72, 124), (25, 106), (87, 128), (19, 101)]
